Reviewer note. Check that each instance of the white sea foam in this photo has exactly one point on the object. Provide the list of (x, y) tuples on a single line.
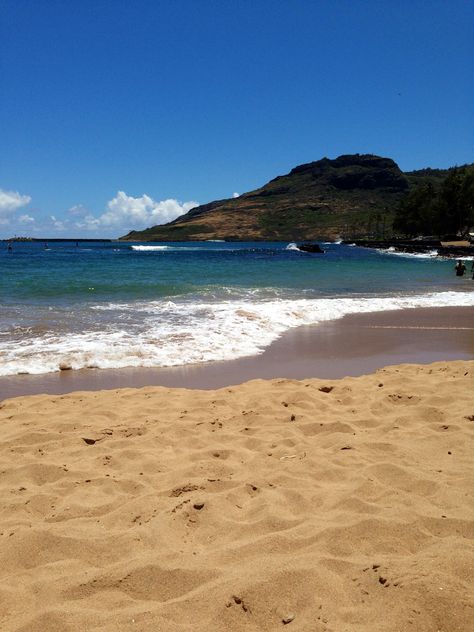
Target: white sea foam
[(149, 248), (171, 333), (141, 248), (431, 254), (292, 246)]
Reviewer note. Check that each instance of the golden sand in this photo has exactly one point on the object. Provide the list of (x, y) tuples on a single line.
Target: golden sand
[(314, 505)]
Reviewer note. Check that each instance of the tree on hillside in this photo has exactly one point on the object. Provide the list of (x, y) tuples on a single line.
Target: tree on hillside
[(417, 212), (467, 197), (448, 210)]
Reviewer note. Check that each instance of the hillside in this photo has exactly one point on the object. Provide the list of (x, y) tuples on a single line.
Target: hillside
[(350, 196)]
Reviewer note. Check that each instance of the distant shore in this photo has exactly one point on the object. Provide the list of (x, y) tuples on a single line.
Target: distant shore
[(55, 240), (354, 345)]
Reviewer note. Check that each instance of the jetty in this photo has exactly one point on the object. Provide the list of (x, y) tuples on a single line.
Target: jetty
[(56, 240)]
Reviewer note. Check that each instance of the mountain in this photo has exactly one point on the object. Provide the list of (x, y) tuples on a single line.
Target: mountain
[(351, 196)]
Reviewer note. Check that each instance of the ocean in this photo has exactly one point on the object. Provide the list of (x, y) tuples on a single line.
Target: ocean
[(113, 305)]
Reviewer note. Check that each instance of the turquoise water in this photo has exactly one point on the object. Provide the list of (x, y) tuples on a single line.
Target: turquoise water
[(116, 304)]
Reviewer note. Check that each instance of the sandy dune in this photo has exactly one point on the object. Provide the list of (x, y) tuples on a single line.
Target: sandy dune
[(311, 505)]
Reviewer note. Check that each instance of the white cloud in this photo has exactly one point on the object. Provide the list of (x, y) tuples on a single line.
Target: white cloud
[(140, 212), (235, 195), (89, 222), (58, 224), (122, 214), (78, 210), (11, 201)]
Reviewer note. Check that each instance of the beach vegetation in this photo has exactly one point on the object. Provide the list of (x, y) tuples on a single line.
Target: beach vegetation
[(443, 208)]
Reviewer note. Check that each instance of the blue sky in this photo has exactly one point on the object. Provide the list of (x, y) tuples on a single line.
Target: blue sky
[(117, 115)]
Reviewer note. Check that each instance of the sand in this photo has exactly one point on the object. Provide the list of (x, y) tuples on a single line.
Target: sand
[(313, 505)]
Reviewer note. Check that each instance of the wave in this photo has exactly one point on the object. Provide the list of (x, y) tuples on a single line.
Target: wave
[(172, 333), (200, 248), (149, 248), (431, 254), (294, 247)]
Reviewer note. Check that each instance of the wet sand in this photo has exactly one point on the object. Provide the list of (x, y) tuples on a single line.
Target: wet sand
[(354, 345)]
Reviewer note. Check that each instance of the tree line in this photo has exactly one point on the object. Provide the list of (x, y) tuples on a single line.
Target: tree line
[(445, 209)]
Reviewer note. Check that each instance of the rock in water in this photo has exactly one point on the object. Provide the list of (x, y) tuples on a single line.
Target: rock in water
[(311, 248)]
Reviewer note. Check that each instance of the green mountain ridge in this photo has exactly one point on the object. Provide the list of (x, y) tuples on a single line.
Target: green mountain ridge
[(352, 196)]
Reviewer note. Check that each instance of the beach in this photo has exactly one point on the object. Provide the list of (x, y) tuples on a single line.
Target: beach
[(236, 317), (311, 504), (235, 438), (349, 346)]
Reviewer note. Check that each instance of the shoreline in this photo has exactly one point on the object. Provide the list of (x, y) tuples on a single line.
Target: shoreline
[(354, 345)]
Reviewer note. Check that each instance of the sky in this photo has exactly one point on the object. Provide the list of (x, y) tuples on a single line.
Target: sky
[(121, 114)]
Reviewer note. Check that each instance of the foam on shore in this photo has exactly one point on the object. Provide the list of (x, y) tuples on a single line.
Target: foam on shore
[(177, 333)]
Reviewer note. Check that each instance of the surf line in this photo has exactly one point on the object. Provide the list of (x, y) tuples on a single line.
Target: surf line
[(417, 327)]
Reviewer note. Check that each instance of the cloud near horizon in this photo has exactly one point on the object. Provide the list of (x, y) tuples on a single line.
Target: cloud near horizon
[(131, 213), (11, 201), (122, 214)]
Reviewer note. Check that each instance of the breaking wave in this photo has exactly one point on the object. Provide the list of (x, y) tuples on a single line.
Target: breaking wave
[(171, 333)]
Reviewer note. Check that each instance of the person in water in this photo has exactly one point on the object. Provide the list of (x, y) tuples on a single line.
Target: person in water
[(460, 268)]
